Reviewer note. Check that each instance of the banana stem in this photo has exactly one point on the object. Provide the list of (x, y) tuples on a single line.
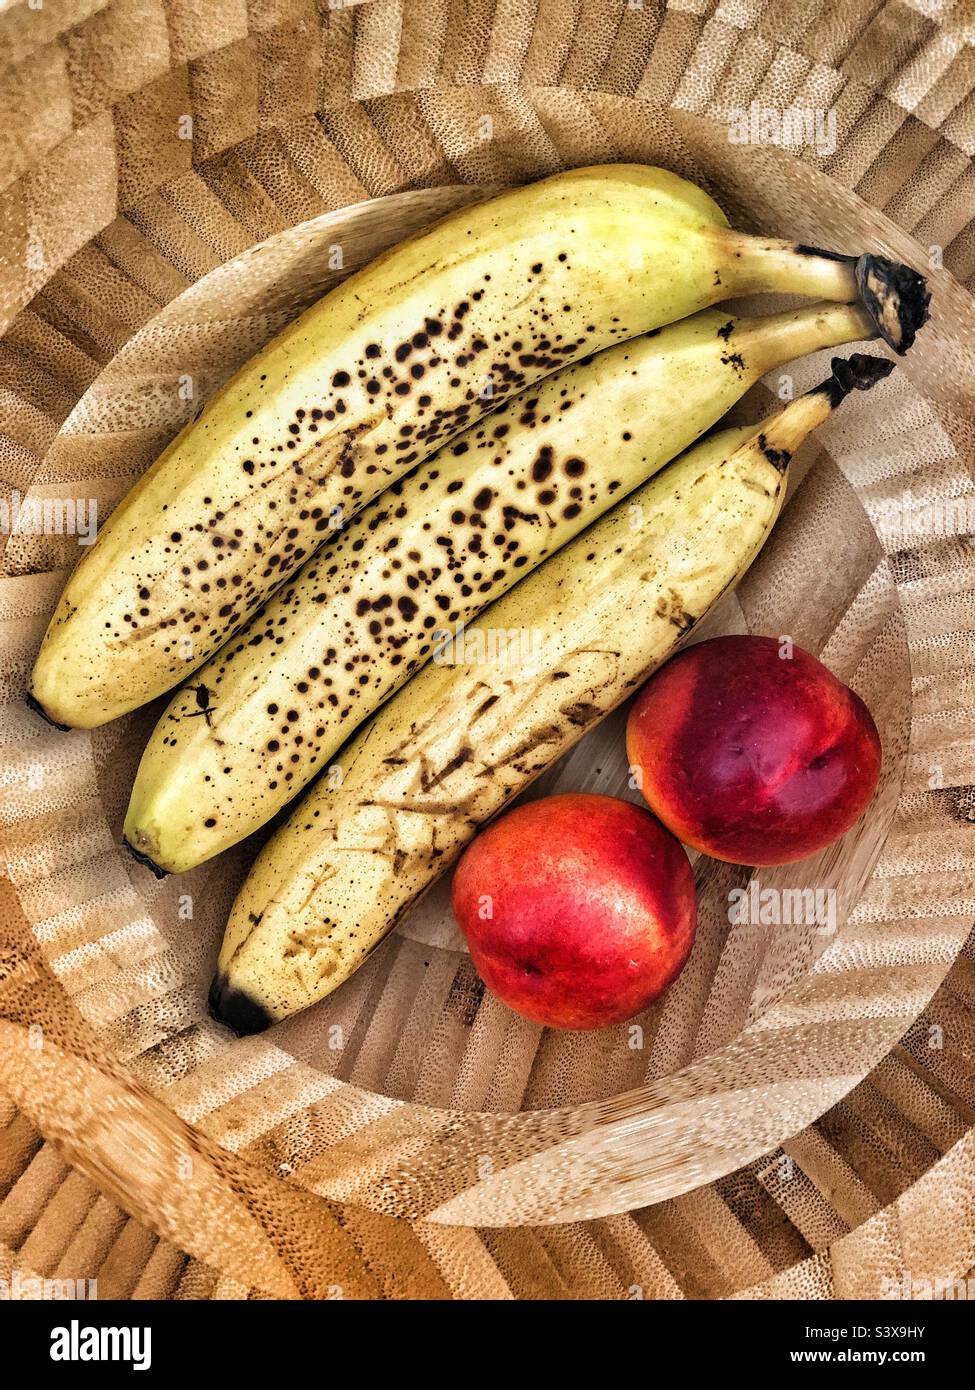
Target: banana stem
[(759, 264), (895, 296), (779, 437), (769, 341)]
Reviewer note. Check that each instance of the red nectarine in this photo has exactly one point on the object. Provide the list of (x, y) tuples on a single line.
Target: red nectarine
[(751, 750), (578, 910)]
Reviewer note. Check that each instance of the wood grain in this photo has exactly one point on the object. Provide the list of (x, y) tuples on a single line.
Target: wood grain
[(786, 1078)]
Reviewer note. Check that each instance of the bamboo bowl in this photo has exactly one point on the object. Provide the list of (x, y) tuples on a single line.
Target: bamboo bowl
[(410, 1091)]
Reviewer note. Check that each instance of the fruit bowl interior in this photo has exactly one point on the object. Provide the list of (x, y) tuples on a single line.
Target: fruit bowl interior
[(412, 1090)]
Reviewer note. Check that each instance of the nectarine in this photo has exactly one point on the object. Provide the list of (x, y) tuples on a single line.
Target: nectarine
[(578, 910), (749, 749)]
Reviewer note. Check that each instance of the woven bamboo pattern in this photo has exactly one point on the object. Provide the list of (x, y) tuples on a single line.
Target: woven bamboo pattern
[(796, 1120)]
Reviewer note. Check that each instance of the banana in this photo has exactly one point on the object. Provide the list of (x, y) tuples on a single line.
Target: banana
[(451, 749), (368, 382), (267, 712)]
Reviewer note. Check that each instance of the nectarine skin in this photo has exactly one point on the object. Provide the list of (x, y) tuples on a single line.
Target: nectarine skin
[(578, 910), (753, 756)]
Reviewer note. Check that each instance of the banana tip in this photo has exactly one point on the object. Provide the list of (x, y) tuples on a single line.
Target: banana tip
[(34, 704), (142, 858), (235, 1009), (857, 372), (896, 297)]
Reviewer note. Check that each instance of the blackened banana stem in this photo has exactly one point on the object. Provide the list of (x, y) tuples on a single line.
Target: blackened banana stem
[(789, 428), (895, 296)]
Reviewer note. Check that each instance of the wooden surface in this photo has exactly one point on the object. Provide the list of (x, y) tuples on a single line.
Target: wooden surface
[(784, 1094)]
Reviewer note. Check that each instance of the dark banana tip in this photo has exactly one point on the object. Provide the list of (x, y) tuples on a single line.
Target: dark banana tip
[(896, 297), (141, 858), (235, 1009), (34, 704), (855, 373)]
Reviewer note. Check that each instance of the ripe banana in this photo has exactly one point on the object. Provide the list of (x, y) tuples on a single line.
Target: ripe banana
[(266, 713), (451, 749), (396, 360)]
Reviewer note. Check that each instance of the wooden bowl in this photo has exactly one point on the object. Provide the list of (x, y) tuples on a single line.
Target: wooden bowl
[(150, 272)]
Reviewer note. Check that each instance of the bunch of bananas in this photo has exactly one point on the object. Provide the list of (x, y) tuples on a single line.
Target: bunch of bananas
[(447, 421)]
